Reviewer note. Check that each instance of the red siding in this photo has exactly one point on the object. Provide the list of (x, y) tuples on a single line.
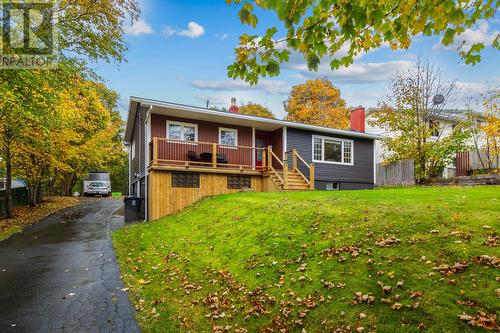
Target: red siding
[(207, 131), (277, 143)]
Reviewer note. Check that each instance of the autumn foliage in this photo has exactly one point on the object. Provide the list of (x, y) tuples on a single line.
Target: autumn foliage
[(317, 102), (255, 109), (491, 127), (56, 124), (55, 127)]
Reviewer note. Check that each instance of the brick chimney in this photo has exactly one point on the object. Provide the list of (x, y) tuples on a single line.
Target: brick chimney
[(358, 119), (233, 108)]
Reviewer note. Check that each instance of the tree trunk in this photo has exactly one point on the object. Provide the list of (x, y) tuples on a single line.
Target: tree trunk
[(68, 184), (33, 192), (39, 194), (8, 176)]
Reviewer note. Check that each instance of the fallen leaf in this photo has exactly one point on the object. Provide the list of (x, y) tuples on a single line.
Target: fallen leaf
[(449, 270), (387, 241), (487, 260), (396, 306), (482, 319)]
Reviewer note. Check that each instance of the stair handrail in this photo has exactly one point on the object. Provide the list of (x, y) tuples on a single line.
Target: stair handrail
[(272, 156), (296, 157)]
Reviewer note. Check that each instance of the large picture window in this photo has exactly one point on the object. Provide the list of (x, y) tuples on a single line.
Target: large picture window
[(228, 136), (182, 131), (332, 150)]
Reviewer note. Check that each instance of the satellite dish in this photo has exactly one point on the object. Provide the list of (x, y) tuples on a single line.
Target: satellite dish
[(438, 99)]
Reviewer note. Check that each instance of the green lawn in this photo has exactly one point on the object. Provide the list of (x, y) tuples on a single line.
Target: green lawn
[(318, 261)]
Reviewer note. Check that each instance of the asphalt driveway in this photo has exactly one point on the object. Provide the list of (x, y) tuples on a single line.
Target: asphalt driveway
[(61, 275)]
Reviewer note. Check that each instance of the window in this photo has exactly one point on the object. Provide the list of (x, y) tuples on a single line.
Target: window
[(132, 148), (318, 148), (332, 150), (182, 131), (238, 182), (228, 136), (434, 127), (186, 180), (347, 152), (330, 186)]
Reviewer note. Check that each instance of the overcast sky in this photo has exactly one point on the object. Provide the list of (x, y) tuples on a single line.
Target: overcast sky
[(179, 51)]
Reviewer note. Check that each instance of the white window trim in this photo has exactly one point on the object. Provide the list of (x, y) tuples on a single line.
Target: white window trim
[(323, 138), (228, 130), (169, 122)]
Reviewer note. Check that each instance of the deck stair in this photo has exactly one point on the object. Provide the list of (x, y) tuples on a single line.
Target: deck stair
[(290, 178)]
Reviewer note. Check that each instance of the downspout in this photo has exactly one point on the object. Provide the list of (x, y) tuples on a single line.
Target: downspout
[(146, 149), (139, 151), (129, 152), (285, 143), (254, 151), (374, 164)]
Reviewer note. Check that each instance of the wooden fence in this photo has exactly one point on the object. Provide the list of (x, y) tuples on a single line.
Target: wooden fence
[(474, 160), (400, 173)]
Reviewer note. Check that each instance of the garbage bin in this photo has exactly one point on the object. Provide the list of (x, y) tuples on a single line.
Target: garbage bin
[(133, 208)]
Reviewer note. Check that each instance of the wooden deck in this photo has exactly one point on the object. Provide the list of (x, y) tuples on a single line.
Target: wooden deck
[(204, 156), (209, 157), (212, 169)]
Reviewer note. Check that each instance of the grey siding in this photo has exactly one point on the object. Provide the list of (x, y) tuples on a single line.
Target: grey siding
[(138, 163), (321, 185), (358, 176)]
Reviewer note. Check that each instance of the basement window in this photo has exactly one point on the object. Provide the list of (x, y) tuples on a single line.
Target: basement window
[(332, 186), (186, 180), (238, 182)]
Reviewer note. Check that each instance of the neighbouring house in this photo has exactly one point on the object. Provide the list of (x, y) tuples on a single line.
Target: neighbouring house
[(179, 154), (19, 194), (443, 123)]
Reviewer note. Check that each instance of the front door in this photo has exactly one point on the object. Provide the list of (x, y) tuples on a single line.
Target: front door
[(259, 143)]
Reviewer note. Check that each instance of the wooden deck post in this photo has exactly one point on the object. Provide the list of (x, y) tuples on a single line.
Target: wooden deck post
[(311, 177), (294, 159), (214, 155), (285, 175), (269, 157), (264, 159), (155, 150)]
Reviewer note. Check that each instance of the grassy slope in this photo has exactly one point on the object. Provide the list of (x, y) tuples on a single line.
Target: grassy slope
[(261, 239)]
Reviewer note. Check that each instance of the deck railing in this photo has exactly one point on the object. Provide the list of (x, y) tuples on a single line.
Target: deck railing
[(272, 158), (297, 163), (204, 154)]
